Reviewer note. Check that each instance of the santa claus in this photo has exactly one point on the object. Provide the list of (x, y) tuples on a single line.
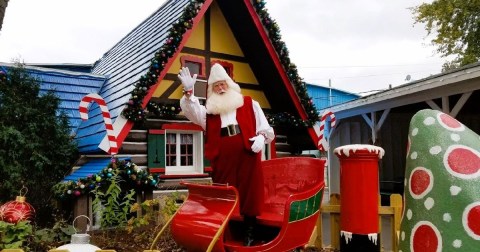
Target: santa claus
[(236, 132)]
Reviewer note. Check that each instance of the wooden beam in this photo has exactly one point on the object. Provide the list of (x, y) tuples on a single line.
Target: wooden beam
[(374, 125), (433, 105), (367, 120), (463, 99), (445, 105), (382, 119), (81, 207)]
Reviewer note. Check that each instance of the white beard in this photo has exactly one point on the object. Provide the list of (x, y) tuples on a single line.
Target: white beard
[(226, 102)]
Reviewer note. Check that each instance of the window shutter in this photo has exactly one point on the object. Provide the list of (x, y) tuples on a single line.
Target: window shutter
[(156, 149)]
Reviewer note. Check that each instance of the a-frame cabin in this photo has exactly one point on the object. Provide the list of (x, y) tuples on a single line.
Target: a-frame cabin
[(142, 73)]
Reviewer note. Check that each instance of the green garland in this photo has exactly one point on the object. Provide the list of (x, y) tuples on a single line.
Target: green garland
[(168, 111), (136, 113), (286, 119), (130, 173), (134, 110), (291, 69)]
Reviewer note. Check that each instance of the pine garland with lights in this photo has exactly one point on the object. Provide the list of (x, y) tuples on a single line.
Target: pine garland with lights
[(167, 111), (134, 177), (134, 110), (286, 119), (291, 69)]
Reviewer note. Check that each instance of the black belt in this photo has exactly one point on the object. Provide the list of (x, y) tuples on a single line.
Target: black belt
[(230, 130)]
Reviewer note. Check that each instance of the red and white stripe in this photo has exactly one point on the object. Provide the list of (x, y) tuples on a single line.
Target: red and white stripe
[(322, 141), (83, 108)]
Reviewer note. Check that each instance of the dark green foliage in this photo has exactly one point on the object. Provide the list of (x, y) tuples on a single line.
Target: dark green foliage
[(36, 149), (113, 203)]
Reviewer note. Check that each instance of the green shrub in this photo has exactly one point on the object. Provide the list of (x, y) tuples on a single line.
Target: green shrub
[(15, 235)]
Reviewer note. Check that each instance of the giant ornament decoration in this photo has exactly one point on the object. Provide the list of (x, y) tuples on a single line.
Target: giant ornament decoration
[(442, 185), (17, 210), (79, 242)]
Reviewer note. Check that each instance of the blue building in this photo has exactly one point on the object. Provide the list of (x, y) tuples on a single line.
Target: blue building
[(325, 97)]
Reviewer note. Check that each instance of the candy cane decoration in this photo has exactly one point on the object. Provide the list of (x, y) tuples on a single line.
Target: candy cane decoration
[(322, 141), (106, 118)]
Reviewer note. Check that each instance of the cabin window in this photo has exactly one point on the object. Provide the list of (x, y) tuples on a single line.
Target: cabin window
[(183, 153), (179, 149), (196, 65), (175, 152)]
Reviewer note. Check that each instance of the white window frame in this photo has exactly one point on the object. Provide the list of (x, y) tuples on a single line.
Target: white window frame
[(197, 167)]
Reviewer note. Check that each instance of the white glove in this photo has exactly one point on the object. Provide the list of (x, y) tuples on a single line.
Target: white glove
[(258, 142), (186, 79)]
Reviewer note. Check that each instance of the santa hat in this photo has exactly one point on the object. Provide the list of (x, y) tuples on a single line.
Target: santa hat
[(218, 73)]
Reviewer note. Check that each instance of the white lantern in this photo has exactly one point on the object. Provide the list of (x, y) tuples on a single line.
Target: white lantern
[(79, 242)]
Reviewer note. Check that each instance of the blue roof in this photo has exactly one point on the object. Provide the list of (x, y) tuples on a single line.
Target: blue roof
[(92, 167), (124, 64), (69, 86), (324, 97)]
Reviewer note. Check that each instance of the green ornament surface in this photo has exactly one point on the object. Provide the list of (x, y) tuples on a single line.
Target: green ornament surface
[(442, 186)]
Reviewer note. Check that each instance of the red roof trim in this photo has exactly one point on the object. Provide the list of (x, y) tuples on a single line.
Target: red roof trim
[(128, 126), (276, 60), (157, 170), (278, 65), (186, 36), (182, 126), (156, 132), (273, 54), (123, 133)]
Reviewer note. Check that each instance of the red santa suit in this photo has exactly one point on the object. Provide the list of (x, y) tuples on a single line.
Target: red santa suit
[(229, 149), (233, 161)]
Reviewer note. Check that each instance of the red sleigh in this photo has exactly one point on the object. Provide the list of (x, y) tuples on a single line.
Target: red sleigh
[(209, 219)]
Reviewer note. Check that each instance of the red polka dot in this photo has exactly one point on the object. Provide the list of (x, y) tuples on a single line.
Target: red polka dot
[(473, 220), (463, 161), (425, 239), (419, 182), (450, 121)]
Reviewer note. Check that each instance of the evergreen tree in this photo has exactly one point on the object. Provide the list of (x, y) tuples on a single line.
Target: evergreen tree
[(455, 25), (36, 149)]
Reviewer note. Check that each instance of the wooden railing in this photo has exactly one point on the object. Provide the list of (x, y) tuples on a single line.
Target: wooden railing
[(393, 211)]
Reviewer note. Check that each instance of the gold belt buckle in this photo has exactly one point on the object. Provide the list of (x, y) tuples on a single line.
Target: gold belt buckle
[(232, 131)]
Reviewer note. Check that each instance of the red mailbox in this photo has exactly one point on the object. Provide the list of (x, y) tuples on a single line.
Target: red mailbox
[(359, 190)]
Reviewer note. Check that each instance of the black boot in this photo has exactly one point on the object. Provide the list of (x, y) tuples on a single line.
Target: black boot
[(249, 222)]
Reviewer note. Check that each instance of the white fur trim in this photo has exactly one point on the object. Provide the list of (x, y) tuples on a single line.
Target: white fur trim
[(218, 73)]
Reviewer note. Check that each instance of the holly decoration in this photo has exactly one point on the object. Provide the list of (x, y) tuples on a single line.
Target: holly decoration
[(137, 112), (17, 210)]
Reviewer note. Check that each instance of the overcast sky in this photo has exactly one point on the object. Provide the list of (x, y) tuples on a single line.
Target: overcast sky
[(358, 46)]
